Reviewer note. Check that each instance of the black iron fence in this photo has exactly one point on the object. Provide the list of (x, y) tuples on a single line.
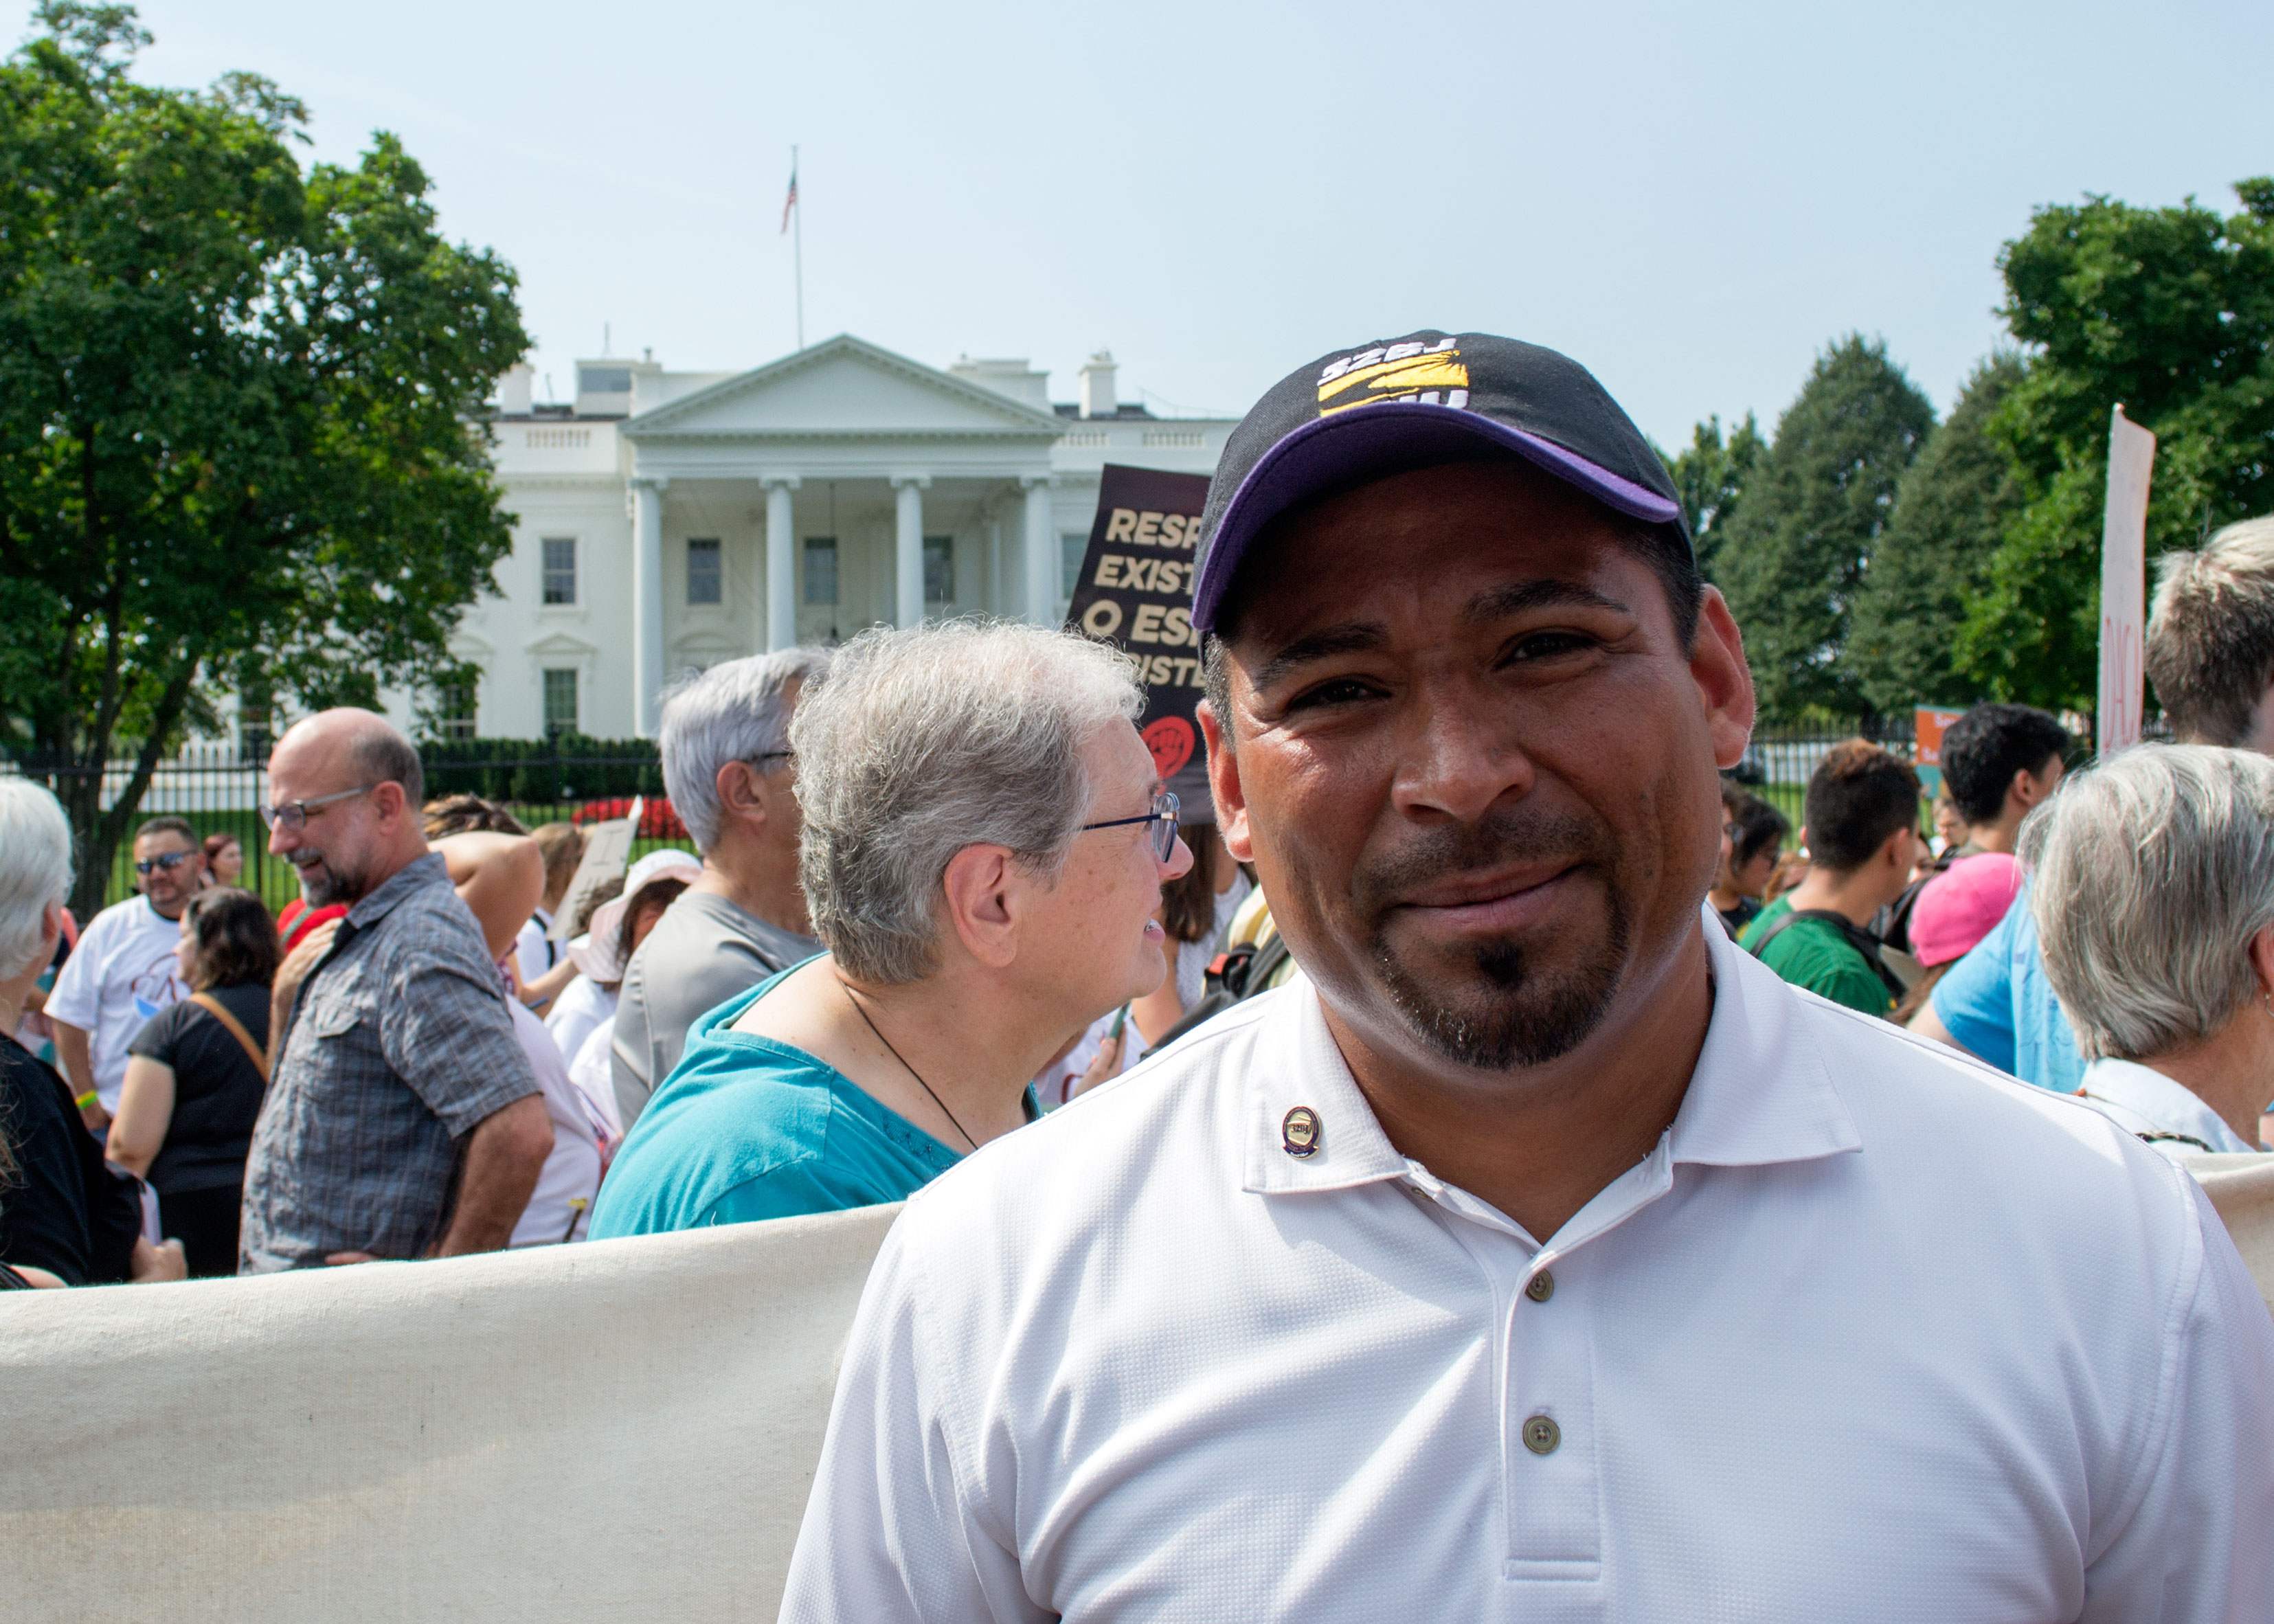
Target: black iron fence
[(219, 793)]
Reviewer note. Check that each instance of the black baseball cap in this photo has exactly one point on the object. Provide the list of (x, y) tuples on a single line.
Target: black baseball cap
[(1370, 411)]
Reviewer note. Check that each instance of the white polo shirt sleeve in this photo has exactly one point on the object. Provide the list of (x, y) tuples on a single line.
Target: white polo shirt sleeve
[(891, 1535), (2195, 1548)]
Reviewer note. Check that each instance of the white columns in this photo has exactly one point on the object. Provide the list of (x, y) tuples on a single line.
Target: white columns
[(647, 603), (781, 563), (1043, 591), (908, 552)]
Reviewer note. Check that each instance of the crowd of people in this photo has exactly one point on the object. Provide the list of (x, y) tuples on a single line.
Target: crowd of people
[(1471, 719)]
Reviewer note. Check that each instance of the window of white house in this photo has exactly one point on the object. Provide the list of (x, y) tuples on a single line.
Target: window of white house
[(821, 569), (605, 380), (1074, 545), (561, 701), (704, 583), (560, 569), (939, 571), (454, 710)]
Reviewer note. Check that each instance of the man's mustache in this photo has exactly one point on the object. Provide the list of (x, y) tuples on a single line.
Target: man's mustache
[(1503, 840)]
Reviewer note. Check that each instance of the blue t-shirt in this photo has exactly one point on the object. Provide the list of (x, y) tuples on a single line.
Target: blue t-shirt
[(1997, 1002), (748, 1128)]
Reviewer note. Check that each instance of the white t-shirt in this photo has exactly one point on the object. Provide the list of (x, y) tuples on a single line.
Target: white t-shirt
[(583, 1004), (1193, 958), (534, 951), (1872, 1334), (593, 1073), (122, 973), (560, 1207)]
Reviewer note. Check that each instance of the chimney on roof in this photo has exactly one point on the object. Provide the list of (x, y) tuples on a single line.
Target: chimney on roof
[(514, 389), (1097, 386)]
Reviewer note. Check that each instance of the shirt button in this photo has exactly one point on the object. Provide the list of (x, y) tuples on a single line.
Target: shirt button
[(1541, 1435), (1540, 1287)]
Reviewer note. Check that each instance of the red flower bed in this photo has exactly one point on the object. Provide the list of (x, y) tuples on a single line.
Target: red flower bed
[(657, 821)]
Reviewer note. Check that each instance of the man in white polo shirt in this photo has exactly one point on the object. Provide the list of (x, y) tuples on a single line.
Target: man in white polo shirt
[(1536, 1255)]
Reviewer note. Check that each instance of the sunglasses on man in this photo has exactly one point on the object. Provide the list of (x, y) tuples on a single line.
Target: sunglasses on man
[(168, 861)]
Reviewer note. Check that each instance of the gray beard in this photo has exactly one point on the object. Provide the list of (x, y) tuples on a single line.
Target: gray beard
[(323, 885)]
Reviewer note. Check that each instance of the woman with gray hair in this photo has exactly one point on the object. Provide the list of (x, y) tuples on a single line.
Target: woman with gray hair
[(985, 839), (65, 1219), (2153, 891)]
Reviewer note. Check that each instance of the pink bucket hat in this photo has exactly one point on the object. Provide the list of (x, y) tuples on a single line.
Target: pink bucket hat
[(1962, 905)]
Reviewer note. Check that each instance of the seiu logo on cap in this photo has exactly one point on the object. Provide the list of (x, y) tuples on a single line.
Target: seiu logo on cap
[(1429, 373)]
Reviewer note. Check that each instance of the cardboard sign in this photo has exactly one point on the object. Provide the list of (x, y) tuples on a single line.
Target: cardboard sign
[(607, 855), (2123, 583), (1135, 592), (1927, 724)]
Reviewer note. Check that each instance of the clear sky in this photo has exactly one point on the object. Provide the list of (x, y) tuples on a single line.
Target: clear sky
[(1692, 200)]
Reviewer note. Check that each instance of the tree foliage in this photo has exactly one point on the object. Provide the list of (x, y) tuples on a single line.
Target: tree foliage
[(2170, 311), (1950, 517), (1711, 473), (238, 411), (1795, 552)]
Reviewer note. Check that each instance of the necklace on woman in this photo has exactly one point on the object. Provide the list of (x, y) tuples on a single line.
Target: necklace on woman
[(903, 1059)]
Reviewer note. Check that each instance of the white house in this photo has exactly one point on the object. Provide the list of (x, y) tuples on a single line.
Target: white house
[(670, 519)]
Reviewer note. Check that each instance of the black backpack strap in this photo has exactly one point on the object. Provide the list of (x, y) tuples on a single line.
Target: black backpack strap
[(1861, 940), (1238, 975)]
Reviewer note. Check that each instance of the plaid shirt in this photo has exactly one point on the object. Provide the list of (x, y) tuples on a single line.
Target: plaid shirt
[(399, 1044)]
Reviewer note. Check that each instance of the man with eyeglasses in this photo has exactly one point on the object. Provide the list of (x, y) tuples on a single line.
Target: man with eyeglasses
[(1537, 1254), (402, 1120), (124, 971)]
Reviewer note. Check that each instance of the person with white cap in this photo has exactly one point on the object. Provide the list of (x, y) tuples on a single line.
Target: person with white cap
[(605, 946), (1535, 1253)]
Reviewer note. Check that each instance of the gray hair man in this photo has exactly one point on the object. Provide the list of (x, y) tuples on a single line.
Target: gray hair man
[(733, 779), (1537, 1254), (2154, 900), (403, 1119)]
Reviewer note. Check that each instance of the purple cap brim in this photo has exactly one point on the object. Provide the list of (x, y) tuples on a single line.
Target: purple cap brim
[(1371, 441)]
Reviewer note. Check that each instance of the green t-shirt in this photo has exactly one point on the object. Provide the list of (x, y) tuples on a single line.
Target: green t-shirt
[(1815, 955)]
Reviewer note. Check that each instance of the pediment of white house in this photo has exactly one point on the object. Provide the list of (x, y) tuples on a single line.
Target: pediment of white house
[(559, 645), (845, 389)]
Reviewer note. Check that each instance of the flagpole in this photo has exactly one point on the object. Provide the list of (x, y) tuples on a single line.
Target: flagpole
[(797, 242)]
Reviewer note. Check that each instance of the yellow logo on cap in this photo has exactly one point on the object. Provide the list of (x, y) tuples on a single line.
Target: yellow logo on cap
[(1430, 373)]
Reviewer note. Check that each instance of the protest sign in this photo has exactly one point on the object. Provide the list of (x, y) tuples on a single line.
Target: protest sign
[(2123, 581), (1135, 592), (607, 853), (1927, 724)]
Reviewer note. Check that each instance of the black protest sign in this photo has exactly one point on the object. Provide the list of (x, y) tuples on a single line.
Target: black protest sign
[(1135, 592)]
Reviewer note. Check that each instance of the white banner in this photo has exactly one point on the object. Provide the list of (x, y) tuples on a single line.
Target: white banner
[(2123, 582), (614, 1430)]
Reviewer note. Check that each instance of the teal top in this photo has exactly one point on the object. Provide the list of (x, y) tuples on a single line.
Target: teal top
[(747, 1128)]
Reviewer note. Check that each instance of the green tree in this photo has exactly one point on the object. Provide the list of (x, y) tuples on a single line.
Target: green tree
[(1950, 516), (2171, 312), (1796, 550), (1711, 474), (240, 412)]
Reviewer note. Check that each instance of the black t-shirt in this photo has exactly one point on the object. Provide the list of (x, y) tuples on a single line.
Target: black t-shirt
[(216, 1089), (65, 1211), (1733, 920)]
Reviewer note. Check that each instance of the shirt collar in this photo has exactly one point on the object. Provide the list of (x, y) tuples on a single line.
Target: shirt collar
[(2168, 1105), (427, 870), (1761, 1093)]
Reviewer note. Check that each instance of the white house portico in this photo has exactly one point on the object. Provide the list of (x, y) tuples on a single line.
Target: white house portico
[(671, 519)]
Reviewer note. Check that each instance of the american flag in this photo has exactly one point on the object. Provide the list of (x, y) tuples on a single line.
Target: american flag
[(789, 203)]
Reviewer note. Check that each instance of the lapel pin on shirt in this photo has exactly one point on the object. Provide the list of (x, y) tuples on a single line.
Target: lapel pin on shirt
[(1298, 1132)]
